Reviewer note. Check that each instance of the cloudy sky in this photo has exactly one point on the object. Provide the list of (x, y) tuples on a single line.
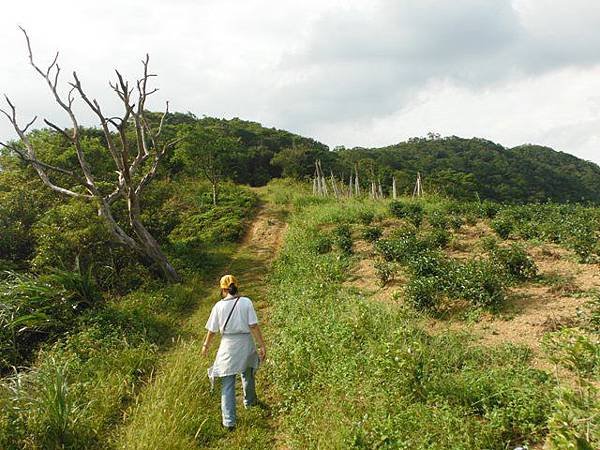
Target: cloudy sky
[(346, 72)]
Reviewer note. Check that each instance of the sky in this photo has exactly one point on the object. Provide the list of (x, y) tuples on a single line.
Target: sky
[(345, 72)]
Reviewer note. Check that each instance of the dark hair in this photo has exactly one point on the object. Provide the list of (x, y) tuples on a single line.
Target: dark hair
[(232, 289)]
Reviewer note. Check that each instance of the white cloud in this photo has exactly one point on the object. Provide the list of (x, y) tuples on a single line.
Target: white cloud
[(356, 72)]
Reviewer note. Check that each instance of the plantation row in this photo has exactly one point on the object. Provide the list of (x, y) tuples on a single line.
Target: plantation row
[(354, 373)]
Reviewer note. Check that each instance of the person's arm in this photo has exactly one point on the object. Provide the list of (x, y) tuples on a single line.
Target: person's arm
[(207, 341), (262, 351)]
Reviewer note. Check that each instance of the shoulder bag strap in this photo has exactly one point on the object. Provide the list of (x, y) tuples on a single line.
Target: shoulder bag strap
[(230, 312)]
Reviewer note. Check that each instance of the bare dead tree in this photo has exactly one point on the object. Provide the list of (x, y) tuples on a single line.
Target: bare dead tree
[(136, 165)]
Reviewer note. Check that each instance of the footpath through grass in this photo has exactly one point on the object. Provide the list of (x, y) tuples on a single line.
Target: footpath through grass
[(177, 409)]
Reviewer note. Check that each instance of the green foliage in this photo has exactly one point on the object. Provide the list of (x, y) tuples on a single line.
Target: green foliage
[(22, 201), (372, 234), (331, 365), (322, 244), (470, 168), (413, 212), (366, 217), (33, 310), (479, 282), (202, 223), (574, 422), (343, 238), (423, 293), (515, 261), (386, 271), (438, 238), (503, 227), (574, 226)]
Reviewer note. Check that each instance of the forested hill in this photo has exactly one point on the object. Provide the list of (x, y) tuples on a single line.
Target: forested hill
[(248, 153), (462, 167)]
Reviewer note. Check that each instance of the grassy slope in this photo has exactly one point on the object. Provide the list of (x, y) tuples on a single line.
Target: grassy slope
[(352, 373)]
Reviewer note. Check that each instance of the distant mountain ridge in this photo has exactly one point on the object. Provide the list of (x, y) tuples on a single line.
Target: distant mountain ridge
[(518, 174), (460, 167)]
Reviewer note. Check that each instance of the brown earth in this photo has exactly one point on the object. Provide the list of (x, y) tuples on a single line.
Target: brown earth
[(532, 309)]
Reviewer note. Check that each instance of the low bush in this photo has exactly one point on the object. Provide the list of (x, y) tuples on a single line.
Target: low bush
[(479, 282), (322, 244), (372, 234), (423, 293), (412, 212), (343, 238), (514, 261), (366, 216), (438, 238), (502, 226), (35, 310), (386, 271)]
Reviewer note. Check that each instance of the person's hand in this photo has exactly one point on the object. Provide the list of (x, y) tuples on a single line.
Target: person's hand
[(262, 353), (204, 350)]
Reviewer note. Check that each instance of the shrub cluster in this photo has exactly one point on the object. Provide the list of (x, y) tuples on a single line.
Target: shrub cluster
[(343, 238), (354, 374), (412, 212), (575, 226), (435, 277)]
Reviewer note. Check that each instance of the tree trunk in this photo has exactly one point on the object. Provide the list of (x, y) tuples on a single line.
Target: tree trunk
[(214, 193), (150, 250)]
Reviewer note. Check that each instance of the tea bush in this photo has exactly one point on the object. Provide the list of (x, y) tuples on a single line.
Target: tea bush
[(372, 234), (515, 261), (322, 244), (386, 270), (574, 226), (412, 212), (343, 238), (356, 374), (424, 292)]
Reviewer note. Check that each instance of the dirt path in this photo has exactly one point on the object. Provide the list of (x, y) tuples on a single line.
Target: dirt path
[(177, 409)]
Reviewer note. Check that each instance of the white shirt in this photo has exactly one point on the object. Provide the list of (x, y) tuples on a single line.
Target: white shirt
[(242, 317)]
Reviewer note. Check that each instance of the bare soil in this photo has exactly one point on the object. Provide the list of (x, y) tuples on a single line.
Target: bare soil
[(532, 309)]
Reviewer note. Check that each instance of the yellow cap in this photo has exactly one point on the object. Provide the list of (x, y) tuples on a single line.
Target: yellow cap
[(226, 280)]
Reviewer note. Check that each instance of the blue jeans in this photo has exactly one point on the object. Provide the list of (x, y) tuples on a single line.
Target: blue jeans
[(228, 395)]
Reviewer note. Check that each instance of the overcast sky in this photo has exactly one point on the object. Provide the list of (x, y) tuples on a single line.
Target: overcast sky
[(351, 72)]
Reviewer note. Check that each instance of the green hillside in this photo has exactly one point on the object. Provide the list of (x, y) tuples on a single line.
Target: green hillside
[(463, 167), (430, 323)]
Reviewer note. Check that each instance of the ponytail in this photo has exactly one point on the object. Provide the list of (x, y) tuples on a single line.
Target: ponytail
[(232, 289)]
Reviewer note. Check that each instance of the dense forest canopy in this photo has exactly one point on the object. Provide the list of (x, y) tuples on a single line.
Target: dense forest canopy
[(458, 167)]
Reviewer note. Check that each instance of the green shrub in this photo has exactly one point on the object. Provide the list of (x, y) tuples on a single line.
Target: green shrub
[(456, 222), (479, 282), (489, 209), (502, 227), (413, 212), (423, 292), (386, 271), (438, 238), (322, 244), (372, 234), (438, 219), (428, 263), (515, 261), (343, 238), (32, 311), (366, 217)]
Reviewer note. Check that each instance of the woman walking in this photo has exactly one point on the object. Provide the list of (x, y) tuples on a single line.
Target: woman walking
[(234, 317)]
